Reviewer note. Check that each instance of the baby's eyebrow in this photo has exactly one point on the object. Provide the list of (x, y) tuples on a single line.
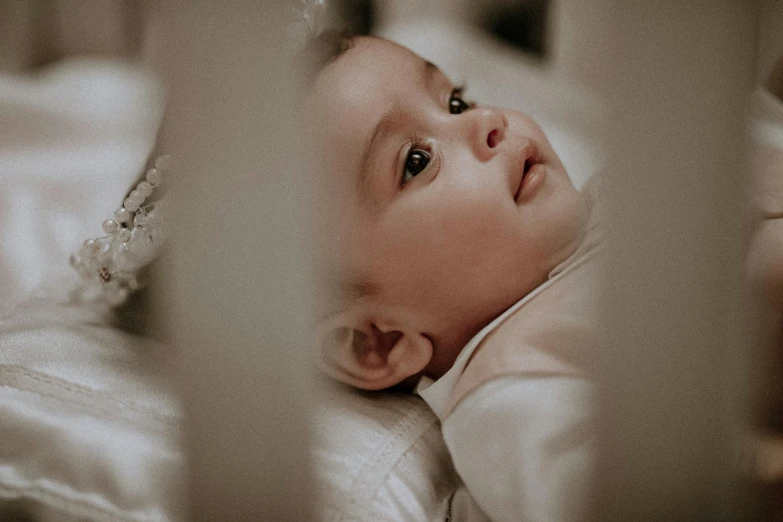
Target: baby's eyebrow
[(430, 70), (384, 125), (427, 73)]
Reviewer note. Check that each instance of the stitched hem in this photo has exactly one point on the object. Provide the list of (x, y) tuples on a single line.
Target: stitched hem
[(87, 399)]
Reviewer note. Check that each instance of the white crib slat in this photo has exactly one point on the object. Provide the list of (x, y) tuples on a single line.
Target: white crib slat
[(677, 75), (239, 292)]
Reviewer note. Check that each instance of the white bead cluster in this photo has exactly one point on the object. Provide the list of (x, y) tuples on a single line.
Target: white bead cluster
[(308, 22), (109, 266)]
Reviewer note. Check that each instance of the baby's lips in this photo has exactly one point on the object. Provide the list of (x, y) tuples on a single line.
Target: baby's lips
[(528, 156)]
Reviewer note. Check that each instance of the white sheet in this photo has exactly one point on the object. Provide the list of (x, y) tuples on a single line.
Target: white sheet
[(89, 424)]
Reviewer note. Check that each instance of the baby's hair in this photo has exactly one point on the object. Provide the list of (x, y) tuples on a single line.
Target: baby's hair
[(339, 289), (323, 50)]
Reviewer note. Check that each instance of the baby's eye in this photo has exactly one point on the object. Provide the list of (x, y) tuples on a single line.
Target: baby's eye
[(415, 163), (456, 104)]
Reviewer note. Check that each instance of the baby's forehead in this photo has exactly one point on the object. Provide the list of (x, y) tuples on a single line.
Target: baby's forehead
[(368, 53), (369, 70), (353, 92)]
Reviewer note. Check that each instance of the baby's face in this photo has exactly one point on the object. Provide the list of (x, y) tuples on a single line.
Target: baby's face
[(455, 212)]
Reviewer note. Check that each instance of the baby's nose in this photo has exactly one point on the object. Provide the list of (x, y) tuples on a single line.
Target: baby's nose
[(491, 125), (493, 138)]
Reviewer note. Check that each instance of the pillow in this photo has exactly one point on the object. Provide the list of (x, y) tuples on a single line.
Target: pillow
[(75, 136), (91, 431), (89, 424), (380, 456)]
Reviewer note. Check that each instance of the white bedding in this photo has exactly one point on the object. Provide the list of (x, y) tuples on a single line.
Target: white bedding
[(72, 139), (89, 423), (380, 457), (91, 430)]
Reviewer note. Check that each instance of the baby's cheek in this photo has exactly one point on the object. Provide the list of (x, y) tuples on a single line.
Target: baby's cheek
[(525, 126), (469, 222)]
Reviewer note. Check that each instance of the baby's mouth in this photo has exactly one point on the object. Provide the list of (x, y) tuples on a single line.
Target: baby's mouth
[(531, 159), (528, 163)]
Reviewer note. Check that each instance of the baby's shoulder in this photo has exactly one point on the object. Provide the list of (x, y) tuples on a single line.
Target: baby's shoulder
[(557, 325), (513, 354)]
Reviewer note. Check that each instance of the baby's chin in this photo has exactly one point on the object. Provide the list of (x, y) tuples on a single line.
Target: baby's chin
[(572, 230)]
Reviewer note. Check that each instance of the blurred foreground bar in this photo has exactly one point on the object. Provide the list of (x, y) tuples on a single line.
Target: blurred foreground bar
[(678, 76), (238, 274)]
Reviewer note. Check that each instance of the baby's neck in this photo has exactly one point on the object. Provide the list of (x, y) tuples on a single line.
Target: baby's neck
[(448, 345)]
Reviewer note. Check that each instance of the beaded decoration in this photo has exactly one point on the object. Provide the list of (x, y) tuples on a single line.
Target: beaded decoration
[(109, 265), (309, 20), (313, 13)]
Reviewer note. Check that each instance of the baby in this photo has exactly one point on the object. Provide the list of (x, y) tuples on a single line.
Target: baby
[(451, 213), (466, 268)]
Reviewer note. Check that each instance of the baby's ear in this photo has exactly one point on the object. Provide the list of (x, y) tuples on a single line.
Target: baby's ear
[(368, 356)]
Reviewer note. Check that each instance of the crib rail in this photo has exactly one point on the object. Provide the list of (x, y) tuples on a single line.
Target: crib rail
[(239, 295), (678, 77)]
